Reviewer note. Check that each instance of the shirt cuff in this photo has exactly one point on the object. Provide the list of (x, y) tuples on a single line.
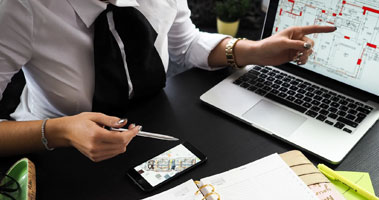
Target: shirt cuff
[(201, 47)]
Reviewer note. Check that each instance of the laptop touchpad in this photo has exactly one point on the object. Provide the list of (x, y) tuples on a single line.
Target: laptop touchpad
[(274, 118)]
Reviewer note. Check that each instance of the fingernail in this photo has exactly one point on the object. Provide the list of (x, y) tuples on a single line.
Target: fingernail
[(140, 128), (122, 121), (335, 28), (307, 45), (133, 125)]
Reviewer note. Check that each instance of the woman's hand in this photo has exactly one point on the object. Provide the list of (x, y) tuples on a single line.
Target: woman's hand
[(86, 133), (285, 46)]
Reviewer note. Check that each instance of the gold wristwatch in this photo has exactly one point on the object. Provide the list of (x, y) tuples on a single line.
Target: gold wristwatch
[(229, 52)]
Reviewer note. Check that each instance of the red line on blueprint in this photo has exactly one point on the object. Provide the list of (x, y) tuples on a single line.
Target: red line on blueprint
[(281, 10), (307, 5), (291, 12), (360, 59), (343, 4), (276, 29), (330, 22), (347, 37), (350, 4), (371, 45), (365, 9), (334, 14), (323, 11)]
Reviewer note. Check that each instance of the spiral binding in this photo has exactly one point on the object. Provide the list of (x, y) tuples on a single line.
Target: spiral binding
[(208, 194)]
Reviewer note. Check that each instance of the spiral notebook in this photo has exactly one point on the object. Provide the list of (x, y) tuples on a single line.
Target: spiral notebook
[(255, 180)]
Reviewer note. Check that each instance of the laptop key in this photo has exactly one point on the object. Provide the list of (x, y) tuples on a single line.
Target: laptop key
[(359, 120), (257, 68), (283, 95), (285, 102), (290, 98), (259, 85), (352, 106), (333, 116), (344, 108), (318, 92), (348, 122), (245, 85), (347, 130), (261, 92), (315, 108), (339, 125), (321, 117), (324, 112), (275, 91), (252, 88), (353, 112), (363, 110), (344, 102), (311, 113), (332, 109), (361, 115), (307, 105), (290, 92), (298, 101), (369, 108), (341, 113), (318, 98), (334, 104), (329, 122), (310, 94), (276, 86), (335, 99), (324, 106), (307, 99), (350, 117), (238, 81), (315, 102)]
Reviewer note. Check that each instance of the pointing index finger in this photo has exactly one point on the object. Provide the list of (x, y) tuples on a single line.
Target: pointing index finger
[(317, 29)]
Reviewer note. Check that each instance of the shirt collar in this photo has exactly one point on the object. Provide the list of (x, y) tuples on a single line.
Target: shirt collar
[(88, 10)]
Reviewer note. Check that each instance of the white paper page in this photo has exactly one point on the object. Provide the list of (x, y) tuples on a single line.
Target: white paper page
[(267, 178), (184, 191)]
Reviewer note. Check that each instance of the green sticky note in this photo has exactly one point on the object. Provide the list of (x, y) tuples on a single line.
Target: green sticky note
[(360, 178)]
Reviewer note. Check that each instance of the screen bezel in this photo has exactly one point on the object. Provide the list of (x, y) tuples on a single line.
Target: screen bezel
[(145, 185), (313, 76)]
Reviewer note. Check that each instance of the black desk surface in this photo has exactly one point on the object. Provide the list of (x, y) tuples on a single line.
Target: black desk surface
[(228, 143)]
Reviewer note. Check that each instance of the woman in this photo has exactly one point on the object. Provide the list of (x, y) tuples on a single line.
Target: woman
[(51, 41)]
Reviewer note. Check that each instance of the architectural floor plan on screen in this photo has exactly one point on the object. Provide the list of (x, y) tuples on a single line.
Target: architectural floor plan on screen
[(351, 53)]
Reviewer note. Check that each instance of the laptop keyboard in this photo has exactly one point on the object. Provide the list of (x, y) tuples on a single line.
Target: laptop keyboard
[(322, 104)]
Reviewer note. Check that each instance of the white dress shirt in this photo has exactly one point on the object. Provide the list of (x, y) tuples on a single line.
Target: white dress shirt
[(51, 41)]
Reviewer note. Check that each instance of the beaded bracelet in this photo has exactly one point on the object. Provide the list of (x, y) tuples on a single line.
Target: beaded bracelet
[(43, 138)]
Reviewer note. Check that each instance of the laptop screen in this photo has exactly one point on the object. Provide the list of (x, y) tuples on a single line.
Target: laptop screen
[(351, 53)]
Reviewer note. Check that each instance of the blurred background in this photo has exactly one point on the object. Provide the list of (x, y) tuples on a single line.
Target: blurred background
[(205, 18)]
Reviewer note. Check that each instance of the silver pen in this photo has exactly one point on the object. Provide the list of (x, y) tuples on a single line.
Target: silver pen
[(149, 135)]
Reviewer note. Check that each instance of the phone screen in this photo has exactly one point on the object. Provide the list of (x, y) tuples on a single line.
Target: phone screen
[(166, 165)]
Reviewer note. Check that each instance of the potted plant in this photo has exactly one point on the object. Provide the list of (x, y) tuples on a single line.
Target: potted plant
[(229, 13)]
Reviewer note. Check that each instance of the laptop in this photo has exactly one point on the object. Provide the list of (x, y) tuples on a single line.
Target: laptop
[(325, 106)]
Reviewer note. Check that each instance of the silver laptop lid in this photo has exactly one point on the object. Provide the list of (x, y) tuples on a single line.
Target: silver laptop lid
[(350, 54)]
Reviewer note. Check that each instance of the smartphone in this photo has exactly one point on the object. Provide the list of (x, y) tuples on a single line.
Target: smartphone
[(166, 166)]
